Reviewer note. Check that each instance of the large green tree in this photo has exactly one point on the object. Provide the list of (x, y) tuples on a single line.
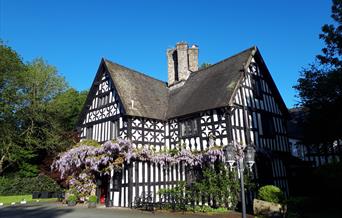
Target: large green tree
[(320, 85), (11, 73), (38, 112)]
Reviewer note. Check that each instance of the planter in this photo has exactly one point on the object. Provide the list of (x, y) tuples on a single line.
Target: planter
[(71, 203), (268, 209), (91, 204)]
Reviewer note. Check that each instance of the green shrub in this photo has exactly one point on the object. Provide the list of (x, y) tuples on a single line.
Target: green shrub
[(212, 184), (92, 198), (27, 185), (208, 209), (72, 198), (218, 184), (271, 193)]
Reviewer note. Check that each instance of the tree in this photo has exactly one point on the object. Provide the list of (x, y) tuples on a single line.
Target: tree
[(204, 65), (11, 72), (320, 86), (41, 85), (71, 103), (38, 112)]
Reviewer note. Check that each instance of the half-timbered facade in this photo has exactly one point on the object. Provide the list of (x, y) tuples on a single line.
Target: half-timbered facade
[(235, 99)]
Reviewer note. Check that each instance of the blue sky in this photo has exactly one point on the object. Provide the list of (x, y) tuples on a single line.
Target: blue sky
[(75, 35)]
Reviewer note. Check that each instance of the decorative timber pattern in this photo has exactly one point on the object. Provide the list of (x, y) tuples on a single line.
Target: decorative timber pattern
[(257, 119), (102, 121), (149, 177)]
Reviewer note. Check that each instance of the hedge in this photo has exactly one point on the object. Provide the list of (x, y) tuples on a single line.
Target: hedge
[(27, 185)]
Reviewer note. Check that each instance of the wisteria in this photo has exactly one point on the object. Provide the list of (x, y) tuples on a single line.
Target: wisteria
[(162, 159), (89, 158), (103, 158), (82, 185), (213, 154)]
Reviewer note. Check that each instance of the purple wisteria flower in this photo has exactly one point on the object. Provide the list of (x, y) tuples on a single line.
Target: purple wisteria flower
[(82, 162), (213, 154)]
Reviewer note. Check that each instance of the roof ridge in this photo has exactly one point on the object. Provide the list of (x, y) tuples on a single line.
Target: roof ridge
[(135, 71), (226, 59)]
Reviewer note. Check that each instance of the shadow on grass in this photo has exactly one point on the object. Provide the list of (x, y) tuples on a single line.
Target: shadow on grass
[(37, 211)]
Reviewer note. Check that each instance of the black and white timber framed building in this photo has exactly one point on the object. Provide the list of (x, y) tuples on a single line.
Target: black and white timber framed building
[(234, 99)]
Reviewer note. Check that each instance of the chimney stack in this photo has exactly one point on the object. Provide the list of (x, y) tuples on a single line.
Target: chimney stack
[(181, 61)]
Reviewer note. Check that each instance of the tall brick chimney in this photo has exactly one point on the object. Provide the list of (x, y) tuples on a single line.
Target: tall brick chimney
[(181, 61)]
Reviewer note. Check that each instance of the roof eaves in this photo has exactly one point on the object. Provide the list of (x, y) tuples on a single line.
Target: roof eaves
[(243, 69)]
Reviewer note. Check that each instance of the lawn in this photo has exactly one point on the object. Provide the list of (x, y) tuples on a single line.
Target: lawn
[(17, 198)]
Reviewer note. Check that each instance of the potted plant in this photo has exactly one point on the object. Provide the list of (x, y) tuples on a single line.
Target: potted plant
[(92, 200), (72, 200)]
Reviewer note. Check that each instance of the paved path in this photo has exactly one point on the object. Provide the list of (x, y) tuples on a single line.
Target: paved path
[(61, 211)]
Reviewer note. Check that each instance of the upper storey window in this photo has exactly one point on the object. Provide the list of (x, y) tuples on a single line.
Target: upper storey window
[(188, 128), (256, 86), (267, 125)]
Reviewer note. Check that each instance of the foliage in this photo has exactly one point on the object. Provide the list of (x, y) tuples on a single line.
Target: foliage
[(320, 86), (66, 107), (11, 68), (204, 65), (328, 176), (38, 113), (20, 185), (271, 193), (72, 198), (218, 184), (92, 199), (208, 209), (178, 196), (87, 158), (212, 182), (90, 156), (82, 185)]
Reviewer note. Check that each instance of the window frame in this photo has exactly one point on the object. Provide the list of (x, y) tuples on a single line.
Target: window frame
[(256, 86), (188, 128)]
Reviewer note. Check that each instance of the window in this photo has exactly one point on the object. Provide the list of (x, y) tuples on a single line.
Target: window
[(188, 128), (256, 86), (89, 132), (114, 130), (267, 125)]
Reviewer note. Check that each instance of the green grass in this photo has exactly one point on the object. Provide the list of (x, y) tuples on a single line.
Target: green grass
[(6, 200)]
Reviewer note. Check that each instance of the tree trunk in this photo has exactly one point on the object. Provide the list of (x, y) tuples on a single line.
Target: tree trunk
[(2, 160)]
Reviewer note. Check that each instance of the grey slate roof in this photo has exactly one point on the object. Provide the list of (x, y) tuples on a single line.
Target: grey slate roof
[(209, 88), (149, 95), (205, 89)]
